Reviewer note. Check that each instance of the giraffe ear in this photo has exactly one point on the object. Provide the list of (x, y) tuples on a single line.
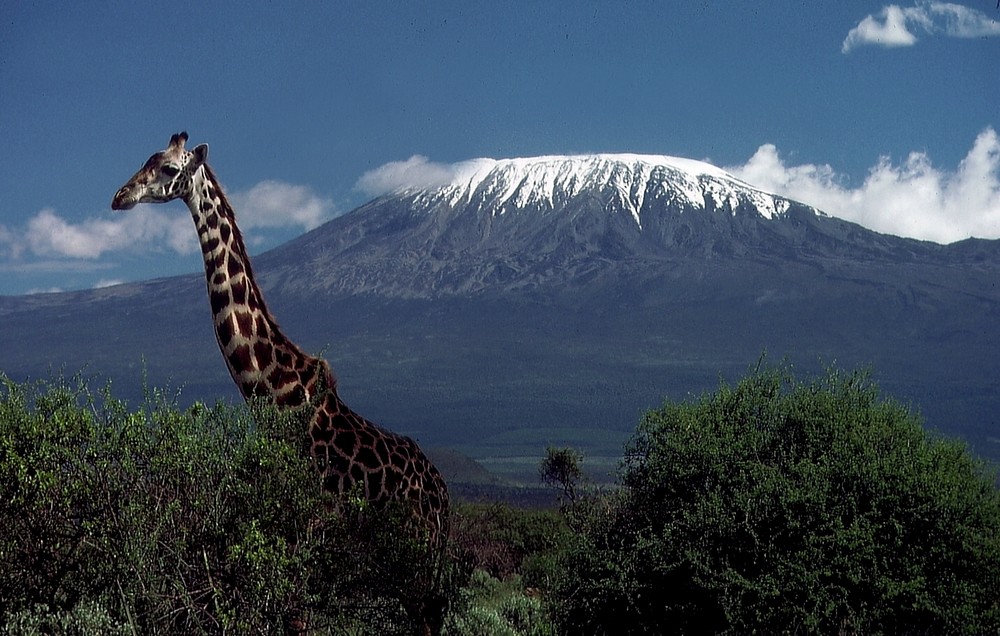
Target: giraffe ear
[(200, 153)]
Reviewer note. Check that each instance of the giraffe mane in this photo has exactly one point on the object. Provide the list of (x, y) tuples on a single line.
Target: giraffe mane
[(227, 208)]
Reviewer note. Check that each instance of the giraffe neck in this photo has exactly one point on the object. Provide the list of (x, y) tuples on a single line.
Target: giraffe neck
[(261, 359)]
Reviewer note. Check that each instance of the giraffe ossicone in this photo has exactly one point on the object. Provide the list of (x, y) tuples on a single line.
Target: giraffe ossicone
[(350, 452)]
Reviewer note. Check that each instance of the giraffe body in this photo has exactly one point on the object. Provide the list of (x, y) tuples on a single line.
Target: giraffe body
[(349, 451)]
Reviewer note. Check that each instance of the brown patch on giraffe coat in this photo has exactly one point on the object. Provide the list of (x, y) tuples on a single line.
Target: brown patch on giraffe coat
[(382, 449), (244, 323), (365, 439), (264, 354), (391, 480), (235, 266), (240, 359), (295, 397), (367, 457), (254, 388), (239, 289), (209, 245), (357, 473), (283, 357), (276, 377), (224, 330), (346, 442), (374, 481), (219, 301), (253, 300), (322, 436)]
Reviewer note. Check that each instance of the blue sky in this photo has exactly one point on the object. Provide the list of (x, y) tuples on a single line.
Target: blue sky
[(886, 114)]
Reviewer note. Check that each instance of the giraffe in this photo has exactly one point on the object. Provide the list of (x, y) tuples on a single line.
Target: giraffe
[(349, 451)]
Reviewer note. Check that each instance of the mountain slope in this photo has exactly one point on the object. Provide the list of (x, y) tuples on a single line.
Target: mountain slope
[(554, 222)]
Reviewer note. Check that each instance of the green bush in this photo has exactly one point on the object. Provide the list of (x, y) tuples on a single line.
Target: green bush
[(491, 607), (205, 520), (514, 554), (86, 619), (504, 541), (781, 506)]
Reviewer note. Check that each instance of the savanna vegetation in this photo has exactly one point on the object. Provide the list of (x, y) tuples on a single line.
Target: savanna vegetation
[(774, 505)]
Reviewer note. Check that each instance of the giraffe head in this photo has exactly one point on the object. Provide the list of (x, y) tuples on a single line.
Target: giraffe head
[(166, 176)]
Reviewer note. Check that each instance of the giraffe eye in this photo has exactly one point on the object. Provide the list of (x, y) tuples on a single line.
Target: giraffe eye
[(169, 170)]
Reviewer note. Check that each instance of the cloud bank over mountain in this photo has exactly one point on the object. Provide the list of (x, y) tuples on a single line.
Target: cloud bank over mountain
[(912, 198), (416, 172)]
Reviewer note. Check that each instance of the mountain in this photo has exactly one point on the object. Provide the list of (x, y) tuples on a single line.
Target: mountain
[(522, 224), (525, 302)]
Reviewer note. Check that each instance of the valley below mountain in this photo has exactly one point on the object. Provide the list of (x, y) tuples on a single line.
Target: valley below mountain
[(552, 301)]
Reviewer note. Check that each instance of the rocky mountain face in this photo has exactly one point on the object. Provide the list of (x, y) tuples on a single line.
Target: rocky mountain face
[(528, 302), (555, 222)]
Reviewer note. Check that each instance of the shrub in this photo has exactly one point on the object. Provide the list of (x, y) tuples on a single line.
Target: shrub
[(786, 506), (490, 607), (205, 520), (561, 469), (505, 541), (86, 619)]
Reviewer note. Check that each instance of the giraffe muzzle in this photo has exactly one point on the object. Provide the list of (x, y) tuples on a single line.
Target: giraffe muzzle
[(123, 199)]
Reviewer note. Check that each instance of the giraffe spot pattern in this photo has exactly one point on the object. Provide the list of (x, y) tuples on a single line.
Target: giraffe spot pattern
[(263, 353), (219, 300), (208, 246), (235, 267), (389, 467), (240, 357), (239, 291), (244, 323)]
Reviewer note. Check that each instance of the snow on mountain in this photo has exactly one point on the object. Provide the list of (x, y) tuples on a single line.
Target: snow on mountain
[(629, 180), (562, 223)]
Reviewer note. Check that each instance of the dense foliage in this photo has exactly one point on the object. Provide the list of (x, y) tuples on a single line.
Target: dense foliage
[(772, 506), (780, 506), (160, 520)]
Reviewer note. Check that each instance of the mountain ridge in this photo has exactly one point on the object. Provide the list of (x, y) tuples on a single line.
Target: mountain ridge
[(539, 223)]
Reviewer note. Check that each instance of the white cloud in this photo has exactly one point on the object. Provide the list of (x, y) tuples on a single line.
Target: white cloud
[(10, 247), (278, 204), (897, 26), (269, 204), (891, 31), (415, 172), (49, 235), (912, 199), (958, 21)]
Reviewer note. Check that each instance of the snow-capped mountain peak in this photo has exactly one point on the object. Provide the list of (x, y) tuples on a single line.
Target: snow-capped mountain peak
[(624, 180)]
